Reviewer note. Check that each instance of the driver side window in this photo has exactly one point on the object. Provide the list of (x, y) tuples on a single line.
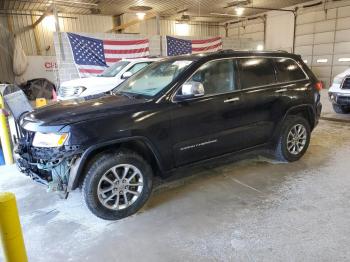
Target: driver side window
[(217, 77)]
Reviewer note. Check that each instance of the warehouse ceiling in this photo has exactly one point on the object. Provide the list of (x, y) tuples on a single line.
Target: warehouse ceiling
[(209, 9)]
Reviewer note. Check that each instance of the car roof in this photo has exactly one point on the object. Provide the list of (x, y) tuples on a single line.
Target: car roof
[(233, 53)]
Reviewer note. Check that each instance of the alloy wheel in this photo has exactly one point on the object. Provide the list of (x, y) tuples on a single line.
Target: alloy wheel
[(120, 186), (296, 139)]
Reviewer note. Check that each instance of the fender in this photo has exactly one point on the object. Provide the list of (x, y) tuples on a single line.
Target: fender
[(78, 166), (297, 108)]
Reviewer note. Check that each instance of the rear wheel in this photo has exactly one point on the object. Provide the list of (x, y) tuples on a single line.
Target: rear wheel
[(117, 185), (341, 109), (294, 139)]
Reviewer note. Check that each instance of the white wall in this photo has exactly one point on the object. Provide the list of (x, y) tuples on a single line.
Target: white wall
[(324, 34), (279, 31)]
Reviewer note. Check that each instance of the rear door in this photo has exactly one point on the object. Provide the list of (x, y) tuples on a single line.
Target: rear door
[(260, 98)]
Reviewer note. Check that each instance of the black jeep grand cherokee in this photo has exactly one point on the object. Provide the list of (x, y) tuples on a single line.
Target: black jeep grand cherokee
[(173, 113)]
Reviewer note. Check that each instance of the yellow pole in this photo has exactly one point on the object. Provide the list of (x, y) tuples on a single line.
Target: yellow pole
[(10, 229), (5, 135)]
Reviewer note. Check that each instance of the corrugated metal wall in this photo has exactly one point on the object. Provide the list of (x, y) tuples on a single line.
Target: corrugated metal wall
[(169, 27), (253, 29), (250, 32), (6, 74), (69, 23), (322, 38)]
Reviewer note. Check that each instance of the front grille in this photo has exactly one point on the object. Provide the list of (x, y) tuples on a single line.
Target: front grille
[(65, 91), (346, 83), (343, 100)]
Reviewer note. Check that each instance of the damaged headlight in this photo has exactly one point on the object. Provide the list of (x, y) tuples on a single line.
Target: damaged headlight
[(49, 139)]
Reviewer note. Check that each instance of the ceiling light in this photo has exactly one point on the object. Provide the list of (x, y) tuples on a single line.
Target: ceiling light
[(49, 23), (239, 10), (344, 59), (182, 29), (322, 60), (260, 47), (140, 16)]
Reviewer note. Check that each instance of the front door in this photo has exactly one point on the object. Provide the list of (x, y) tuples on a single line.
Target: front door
[(198, 124)]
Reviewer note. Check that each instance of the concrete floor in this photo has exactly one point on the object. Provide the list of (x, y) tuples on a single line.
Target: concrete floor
[(237, 210)]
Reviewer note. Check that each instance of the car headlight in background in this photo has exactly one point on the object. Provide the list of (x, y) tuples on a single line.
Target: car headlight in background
[(49, 139), (337, 80), (66, 91), (332, 97)]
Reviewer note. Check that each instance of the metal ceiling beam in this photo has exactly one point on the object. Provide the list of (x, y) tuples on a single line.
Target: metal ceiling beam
[(260, 8)]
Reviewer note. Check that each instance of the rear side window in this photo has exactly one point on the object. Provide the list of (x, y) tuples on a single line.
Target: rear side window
[(257, 71), (288, 70)]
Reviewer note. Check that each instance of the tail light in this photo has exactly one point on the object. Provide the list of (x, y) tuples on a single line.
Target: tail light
[(319, 86)]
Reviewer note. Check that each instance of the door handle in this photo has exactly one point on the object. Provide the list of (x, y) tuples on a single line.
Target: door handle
[(230, 100), (281, 90)]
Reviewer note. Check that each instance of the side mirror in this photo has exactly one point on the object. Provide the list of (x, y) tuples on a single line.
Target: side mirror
[(126, 75), (190, 90)]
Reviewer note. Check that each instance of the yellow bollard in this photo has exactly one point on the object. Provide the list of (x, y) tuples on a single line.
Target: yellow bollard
[(5, 138), (10, 229)]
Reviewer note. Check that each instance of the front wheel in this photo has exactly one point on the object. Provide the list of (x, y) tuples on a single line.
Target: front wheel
[(341, 109), (294, 139), (117, 185)]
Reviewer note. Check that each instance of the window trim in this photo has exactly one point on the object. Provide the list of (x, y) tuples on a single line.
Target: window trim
[(296, 62), (239, 84)]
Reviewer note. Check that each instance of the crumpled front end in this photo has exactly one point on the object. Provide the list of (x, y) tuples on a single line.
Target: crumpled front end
[(48, 166)]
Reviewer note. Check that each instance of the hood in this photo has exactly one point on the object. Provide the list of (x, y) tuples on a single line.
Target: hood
[(92, 82), (71, 111), (343, 74)]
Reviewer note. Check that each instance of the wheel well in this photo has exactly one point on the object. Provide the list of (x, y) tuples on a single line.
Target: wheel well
[(304, 112), (136, 146)]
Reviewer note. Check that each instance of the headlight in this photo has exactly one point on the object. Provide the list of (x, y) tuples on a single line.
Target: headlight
[(49, 140), (337, 80), (66, 91)]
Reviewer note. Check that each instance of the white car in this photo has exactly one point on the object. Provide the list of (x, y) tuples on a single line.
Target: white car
[(108, 80), (339, 92)]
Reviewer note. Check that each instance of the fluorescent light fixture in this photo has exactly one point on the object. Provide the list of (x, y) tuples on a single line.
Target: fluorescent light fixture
[(322, 60), (49, 23), (260, 47), (239, 10), (305, 61), (344, 59), (182, 29), (141, 16)]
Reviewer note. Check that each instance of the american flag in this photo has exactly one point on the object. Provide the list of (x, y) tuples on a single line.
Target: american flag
[(92, 56), (176, 46)]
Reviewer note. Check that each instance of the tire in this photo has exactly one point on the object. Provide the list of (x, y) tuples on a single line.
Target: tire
[(341, 109), (100, 175), (282, 153)]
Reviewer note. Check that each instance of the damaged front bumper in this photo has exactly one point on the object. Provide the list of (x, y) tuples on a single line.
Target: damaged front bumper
[(53, 167)]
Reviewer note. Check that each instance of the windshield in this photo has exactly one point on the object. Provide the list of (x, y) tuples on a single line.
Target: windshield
[(114, 69), (154, 78)]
